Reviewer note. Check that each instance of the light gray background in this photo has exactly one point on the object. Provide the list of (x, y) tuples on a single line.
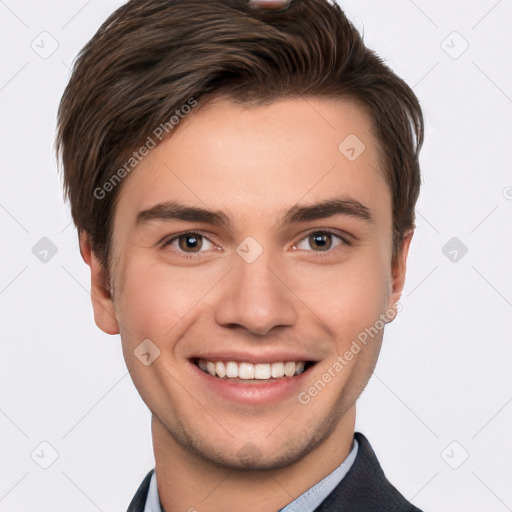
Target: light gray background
[(442, 389)]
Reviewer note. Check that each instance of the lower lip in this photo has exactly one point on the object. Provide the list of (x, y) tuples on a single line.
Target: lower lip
[(254, 392)]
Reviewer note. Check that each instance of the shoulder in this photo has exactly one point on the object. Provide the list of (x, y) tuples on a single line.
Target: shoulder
[(365, 488)]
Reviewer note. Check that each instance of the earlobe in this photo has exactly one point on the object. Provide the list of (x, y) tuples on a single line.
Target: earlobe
[(398, 272), (102, 303)]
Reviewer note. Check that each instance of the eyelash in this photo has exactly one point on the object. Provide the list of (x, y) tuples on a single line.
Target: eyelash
[(189, 256)]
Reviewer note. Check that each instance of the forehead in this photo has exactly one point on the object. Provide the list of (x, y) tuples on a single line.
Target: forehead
[(250, 160)]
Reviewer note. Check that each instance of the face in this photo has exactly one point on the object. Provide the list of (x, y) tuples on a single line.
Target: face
[(248, 241)]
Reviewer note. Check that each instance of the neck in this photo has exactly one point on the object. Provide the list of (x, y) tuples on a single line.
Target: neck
[(187, 482)]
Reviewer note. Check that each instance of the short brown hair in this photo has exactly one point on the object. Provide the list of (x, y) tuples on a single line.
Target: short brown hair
[(151, 57)]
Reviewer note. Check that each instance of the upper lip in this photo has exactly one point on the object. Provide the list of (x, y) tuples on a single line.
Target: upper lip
[(260, 357)]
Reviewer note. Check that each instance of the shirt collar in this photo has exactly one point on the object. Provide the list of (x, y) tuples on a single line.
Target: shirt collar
[(310, 499)]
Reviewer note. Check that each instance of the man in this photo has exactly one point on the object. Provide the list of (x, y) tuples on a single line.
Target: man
[(243, 177)]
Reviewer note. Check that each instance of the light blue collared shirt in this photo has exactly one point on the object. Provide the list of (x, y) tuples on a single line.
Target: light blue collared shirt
[(306, 502)]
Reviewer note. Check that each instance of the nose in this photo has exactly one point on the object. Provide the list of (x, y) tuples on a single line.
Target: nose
[(256, 296)]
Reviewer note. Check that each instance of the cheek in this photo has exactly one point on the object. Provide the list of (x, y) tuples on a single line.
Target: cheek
[(156, 297), (347, 297)]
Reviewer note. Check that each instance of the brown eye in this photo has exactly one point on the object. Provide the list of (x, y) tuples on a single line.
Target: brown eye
[(321, 241), (189, 244), (190, 241)]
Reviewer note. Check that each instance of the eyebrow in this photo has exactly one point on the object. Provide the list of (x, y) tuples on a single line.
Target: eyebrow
[(173, 210)]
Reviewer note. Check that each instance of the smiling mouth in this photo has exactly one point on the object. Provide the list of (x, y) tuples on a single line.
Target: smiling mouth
[(243, 371)]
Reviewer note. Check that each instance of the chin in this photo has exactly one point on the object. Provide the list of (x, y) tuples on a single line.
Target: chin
[(253, 455)]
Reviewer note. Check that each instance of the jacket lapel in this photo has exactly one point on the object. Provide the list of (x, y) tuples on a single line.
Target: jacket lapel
[(138, 502), (365, 487)]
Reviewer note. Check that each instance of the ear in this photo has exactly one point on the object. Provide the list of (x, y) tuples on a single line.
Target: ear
[(398, 271), (102, 302)]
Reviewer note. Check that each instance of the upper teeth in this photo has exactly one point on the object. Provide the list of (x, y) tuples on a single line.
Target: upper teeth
[(233, 369)]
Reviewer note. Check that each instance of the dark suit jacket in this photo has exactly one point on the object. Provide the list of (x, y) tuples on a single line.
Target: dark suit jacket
[(364, 488)]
